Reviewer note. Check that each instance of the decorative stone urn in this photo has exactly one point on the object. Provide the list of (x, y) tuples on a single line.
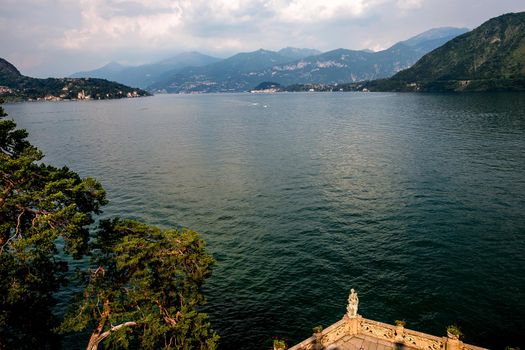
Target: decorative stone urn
[(453, 332), (452, 336), (318, 334), (400, 330)]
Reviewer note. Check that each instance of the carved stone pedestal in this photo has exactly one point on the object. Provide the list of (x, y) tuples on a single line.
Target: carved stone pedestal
[(352, 324), (454, 344), (318, 341), (400, 331)]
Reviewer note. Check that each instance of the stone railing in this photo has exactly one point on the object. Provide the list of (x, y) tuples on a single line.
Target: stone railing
[(399, 334), (328, 336), (359, 326)]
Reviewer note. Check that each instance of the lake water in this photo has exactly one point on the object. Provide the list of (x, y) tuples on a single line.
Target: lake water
[(415, 200)]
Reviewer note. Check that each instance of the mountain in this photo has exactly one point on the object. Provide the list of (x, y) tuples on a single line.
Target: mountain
[(294, 53), (8, 72), (188, 59), (109, 70), (247, 62), (489, 58), (244, 71), (235, 73), (146, 74), (433, 38), (341, 65), (15, 86)]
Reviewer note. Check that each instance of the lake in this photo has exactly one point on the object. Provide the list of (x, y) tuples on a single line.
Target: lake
[(415, 200)]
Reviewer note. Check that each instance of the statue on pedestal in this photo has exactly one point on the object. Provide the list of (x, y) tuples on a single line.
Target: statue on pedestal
[(353, 301)]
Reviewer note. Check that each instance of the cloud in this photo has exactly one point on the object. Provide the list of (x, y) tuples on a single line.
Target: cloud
[(216, 24), (409, 4), (308, 11), (117, 24)]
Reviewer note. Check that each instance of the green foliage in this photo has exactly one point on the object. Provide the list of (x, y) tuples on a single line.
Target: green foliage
[(268, 85), (150, 279), (317, 329), (38, 205), (279, 344), (454, 330), (145, 289)]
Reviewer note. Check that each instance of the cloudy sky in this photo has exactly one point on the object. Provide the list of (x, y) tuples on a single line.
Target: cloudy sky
[(59, 37)]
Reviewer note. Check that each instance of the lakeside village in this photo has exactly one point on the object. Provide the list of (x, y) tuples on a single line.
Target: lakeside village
[(271, 87), (66, 95)]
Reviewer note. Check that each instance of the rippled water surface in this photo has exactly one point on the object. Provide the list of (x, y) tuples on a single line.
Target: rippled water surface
[(415, 200)]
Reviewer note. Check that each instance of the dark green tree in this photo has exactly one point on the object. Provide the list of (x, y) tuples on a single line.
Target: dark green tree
[(144, 289), (42, 209)]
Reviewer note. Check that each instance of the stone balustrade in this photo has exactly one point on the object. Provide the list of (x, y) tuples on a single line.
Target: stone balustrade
[(398, 335)]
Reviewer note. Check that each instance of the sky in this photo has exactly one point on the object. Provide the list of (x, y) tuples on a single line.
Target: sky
[(44, 38)]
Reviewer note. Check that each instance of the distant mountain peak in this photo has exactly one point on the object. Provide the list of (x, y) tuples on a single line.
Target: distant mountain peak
[(434, 34), (7, 68), (146, 74), (488, 58), (296, 49), (298, 53), (114, 66)]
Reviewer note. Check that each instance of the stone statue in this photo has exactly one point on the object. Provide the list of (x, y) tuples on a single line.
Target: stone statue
[(353, 301)]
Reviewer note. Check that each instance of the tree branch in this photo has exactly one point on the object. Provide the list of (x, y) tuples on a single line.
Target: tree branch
[(96, 339), (11, 185), (3, 246), (18, 222)]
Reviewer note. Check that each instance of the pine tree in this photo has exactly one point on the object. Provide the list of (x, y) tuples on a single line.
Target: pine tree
[(40, 206)]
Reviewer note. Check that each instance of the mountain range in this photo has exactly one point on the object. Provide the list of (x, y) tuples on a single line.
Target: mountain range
[(144, 75), (194, 72), (15, 86), (490, 57)]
